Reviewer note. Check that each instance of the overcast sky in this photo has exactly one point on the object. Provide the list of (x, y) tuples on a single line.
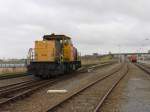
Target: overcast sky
[(95, 25)]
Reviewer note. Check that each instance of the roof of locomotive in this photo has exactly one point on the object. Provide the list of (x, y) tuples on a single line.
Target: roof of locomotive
[(55, 37)]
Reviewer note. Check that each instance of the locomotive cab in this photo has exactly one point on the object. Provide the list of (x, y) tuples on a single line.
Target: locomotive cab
[(53, 55)]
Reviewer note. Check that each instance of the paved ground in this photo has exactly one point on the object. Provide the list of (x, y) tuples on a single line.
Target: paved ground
[(132, 95)]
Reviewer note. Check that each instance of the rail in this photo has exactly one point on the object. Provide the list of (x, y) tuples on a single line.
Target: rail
[(15, 91), (84, 88), (101, 102), (143, 67)]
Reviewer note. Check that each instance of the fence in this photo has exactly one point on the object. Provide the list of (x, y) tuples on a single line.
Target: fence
[(6, 65)]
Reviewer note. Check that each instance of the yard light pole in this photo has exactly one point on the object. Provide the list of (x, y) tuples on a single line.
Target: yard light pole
[(119, 53)]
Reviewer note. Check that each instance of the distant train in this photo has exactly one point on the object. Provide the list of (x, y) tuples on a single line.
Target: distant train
[(133, 58), (54, 55)]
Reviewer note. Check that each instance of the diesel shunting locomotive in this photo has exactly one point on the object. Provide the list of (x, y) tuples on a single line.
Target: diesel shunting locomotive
[(54, 55)]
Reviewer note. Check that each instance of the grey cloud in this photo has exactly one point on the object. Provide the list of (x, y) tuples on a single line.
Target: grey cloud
[(95, 26)]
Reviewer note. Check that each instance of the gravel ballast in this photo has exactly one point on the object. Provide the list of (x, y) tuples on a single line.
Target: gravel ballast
[(41, 101)]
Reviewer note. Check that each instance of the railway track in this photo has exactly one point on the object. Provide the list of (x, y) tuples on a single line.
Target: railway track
[(95, 66), (143, 67), (20, 90), (15, 85), (82, 94), (13, 93), (101, 102)]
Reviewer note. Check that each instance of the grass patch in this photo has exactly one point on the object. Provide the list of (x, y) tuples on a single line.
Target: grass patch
[(12, 75)]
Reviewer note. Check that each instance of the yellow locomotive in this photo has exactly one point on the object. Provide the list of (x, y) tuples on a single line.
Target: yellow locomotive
[(54, 55)]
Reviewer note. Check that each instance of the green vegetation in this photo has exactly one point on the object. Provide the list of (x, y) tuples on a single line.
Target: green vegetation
[(106, 58), (90, 59), (11, 75), (7, 74)]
